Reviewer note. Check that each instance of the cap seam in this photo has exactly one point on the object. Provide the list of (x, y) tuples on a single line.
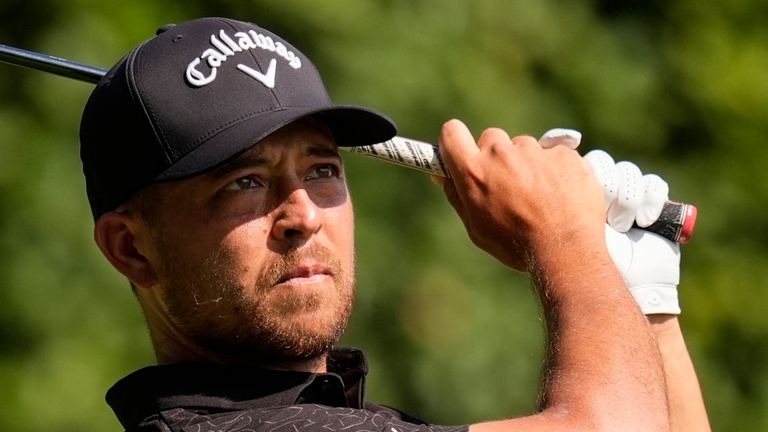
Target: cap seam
[(157, 128)]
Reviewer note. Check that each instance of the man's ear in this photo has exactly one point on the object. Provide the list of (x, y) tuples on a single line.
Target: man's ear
[(115, 234)]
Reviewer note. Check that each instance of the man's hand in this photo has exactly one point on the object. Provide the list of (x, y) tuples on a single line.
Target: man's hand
[(630, 196), (649, 263), (541, 210), (517, 199)]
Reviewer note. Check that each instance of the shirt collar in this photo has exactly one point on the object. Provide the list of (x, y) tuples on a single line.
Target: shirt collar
[(215, 387)]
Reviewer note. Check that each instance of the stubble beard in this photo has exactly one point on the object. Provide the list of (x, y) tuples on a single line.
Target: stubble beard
[(252, 323)]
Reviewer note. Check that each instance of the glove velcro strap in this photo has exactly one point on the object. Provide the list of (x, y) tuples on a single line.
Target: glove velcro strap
[(657, 299)]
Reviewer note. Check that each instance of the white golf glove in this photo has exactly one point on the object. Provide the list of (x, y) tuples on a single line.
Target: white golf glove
[(649, 263)]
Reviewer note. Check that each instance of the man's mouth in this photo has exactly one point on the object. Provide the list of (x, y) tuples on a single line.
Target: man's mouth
[(305, 274)]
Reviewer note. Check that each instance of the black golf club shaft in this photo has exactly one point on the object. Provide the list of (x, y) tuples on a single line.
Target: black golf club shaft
[(50, 64)]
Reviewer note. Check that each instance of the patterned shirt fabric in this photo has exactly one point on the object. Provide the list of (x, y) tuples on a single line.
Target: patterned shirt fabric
[(215, 398)]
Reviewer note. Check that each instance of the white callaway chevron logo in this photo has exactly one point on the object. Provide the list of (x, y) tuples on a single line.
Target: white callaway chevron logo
[(202, 70), (268, 79)]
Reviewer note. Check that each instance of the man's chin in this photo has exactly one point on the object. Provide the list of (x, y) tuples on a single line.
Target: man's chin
[(295, 338), (278, 352)]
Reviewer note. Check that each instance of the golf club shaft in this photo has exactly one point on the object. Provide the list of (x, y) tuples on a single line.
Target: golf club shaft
[(50, 64)]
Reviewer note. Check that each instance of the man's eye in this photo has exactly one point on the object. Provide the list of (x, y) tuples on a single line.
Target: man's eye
[(243, 183), (324, 171)]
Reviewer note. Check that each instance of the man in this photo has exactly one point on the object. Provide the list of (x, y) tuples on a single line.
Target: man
[(211, 160)]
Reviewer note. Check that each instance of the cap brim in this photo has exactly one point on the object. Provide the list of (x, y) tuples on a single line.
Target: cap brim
[(351, 126)]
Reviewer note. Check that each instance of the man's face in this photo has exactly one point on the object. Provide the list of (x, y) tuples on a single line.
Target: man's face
[(255, 259)]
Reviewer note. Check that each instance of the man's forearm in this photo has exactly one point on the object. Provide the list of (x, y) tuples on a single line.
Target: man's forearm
[(603, 370), (686, 404), (602, 352)]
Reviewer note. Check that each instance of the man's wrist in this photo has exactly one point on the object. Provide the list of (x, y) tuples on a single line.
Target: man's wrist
[(663, 321), (555, 243), (563, 265)]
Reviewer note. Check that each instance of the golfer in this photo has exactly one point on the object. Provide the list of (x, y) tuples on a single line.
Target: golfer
[(211, 159)]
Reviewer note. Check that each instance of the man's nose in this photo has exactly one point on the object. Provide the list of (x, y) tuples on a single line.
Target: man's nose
[(297, 217)]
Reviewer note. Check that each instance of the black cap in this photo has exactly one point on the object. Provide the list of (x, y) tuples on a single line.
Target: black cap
[(196, 95)]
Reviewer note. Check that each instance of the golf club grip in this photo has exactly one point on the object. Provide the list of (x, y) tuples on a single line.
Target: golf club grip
[(676, 222)]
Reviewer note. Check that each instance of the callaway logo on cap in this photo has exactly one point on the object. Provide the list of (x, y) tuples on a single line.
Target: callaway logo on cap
[(225, 46), (196, 95)]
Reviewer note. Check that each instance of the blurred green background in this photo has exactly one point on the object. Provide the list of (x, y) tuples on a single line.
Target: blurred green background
[(678, 87)]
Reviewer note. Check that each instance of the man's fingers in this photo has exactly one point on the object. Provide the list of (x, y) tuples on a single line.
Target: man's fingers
[(655, 195), (493, 136), (604, 169), (630, 197), (456, 145), (623, 210)]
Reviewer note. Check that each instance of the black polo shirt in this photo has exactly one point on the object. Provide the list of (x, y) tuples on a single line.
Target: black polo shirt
[(203, 397)]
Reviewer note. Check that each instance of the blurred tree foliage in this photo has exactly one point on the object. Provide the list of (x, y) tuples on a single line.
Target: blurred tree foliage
[(678, 87)]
